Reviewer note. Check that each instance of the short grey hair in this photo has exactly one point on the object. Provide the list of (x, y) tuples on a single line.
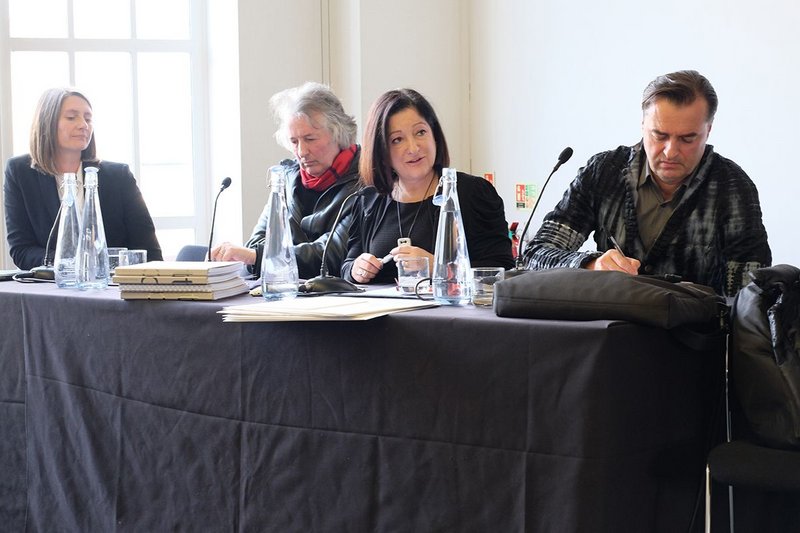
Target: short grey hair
[(309, 99), (681, 88)]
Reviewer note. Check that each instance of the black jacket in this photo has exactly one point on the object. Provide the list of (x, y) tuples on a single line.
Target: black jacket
[(481, 211), (310, 229), (32, 202)]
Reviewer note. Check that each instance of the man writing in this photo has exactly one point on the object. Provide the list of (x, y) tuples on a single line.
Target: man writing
[(671, 202)]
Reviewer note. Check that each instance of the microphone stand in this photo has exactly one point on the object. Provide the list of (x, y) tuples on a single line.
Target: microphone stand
[(518, 269), (46, 271), (325, 283), (225, 184)]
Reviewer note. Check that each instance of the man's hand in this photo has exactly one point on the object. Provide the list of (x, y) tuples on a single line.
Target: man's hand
[(230, 252), (613, 260)]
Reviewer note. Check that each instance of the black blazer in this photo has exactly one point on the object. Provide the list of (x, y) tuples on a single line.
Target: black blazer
[(32, 201)]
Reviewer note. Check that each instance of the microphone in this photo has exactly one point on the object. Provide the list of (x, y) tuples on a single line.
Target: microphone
[(325, 283), (563, 157), (225, 184), (46, 272)]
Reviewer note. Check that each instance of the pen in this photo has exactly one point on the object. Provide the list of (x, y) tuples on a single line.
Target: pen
[(616, 245), (386, 258)]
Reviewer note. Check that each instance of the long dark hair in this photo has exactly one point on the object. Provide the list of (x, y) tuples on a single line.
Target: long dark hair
[(375, 166)]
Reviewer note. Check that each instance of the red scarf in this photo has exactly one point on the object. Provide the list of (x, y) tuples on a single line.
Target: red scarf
[(340, 164)]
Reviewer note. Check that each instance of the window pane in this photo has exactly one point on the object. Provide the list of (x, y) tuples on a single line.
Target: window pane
[(31, 74), (168, 189), (25, 18), (172, 240), (165, 133), (157, 19), (102, 19), (105, 79)]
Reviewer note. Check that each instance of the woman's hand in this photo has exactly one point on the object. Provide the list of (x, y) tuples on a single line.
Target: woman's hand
[(365, 268), (407, 252), (230, 252)]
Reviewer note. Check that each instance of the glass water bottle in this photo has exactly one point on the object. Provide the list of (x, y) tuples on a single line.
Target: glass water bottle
[(69, 227), (450, 276), (92, 264), (279, 275)]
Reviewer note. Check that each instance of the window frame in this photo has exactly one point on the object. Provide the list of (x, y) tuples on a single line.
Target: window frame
[(196, 47)]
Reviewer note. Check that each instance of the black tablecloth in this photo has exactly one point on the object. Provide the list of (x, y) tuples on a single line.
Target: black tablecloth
[(152, 416), (12, 413)]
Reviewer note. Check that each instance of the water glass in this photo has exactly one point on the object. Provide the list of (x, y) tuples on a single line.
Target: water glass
[(410, 271), (113, 258), (483, 280), (132, 257)]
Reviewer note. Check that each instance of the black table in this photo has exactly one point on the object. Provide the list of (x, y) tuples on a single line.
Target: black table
[(153, 416)]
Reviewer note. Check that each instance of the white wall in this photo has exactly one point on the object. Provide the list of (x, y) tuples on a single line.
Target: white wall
[(361, 48), (515, 81), (550, 74), (421, 45), (280, 46), (224, 124)]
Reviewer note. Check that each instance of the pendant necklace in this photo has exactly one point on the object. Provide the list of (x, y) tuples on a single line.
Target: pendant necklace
[(407, 240)]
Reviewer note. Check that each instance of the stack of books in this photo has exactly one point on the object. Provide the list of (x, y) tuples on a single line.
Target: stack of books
[(180, 280)]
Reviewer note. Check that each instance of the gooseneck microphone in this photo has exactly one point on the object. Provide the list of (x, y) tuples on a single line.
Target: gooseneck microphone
[(325, 283), (225, 184), (563, 157), (46, 272)]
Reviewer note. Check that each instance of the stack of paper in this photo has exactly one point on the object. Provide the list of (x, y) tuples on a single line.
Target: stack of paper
[(320, 308), (180, 280)]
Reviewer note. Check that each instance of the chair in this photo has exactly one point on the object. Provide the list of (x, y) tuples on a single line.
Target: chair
[(767, 481), (745, 464), (192, 252), (760, 463)]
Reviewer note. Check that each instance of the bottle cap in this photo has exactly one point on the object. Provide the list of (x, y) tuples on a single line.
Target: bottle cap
[(89, 176)]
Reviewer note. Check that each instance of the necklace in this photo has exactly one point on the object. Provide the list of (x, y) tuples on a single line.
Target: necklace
[(414, 220)]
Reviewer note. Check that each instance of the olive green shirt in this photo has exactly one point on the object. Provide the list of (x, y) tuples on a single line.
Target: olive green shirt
[(652, 211)]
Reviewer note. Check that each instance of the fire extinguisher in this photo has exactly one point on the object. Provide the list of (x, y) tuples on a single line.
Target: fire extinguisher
[(512, 234)]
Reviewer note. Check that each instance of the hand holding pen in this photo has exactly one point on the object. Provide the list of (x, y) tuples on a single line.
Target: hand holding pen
[(615, 259), (366, 266)]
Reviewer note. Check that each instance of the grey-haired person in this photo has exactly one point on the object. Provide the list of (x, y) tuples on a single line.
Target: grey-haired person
[(313, 125)]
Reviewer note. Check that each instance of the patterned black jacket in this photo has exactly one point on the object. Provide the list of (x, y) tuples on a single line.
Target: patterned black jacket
[(714, 237)]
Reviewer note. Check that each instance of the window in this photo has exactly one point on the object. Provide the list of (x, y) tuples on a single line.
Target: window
[(143, 66)]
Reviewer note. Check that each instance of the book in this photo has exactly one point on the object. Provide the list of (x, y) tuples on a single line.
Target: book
[(177, 272), (180, 280), (173, 279), (232, 283), (191, 294), (321, 308)]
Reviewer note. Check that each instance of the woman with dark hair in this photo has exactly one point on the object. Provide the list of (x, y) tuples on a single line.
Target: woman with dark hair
[(313, 125), (62, 141), (403, 153)]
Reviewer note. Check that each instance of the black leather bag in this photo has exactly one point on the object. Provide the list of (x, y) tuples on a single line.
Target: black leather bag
[(578, 294), (765, 355)]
